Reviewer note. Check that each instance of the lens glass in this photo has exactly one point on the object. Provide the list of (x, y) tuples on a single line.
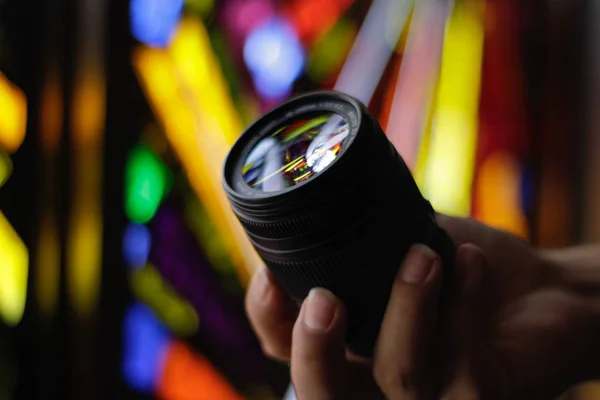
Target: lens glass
[(295, 152)]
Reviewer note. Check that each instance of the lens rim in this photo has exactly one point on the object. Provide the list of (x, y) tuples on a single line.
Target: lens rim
[(315, 102)]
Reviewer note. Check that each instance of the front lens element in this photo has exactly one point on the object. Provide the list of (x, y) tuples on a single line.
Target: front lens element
[(295, 152)]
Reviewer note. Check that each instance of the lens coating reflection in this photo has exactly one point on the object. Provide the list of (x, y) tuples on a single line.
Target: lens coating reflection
[(295, 152)]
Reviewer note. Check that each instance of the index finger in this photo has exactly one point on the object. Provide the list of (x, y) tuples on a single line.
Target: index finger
[(271, 314)]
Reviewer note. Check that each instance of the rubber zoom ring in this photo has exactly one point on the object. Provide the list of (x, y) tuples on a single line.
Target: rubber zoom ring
[(287, 228)]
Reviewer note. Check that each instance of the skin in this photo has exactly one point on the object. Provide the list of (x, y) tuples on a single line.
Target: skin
[(515, 323)]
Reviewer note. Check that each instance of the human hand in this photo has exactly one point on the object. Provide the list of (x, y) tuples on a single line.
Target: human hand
[(508, 328)]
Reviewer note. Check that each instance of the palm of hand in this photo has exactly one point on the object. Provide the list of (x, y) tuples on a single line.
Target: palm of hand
[(526, 319)]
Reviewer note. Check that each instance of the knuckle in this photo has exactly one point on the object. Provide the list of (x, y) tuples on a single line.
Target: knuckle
[(258, 314), (249, 304), (393, 382)]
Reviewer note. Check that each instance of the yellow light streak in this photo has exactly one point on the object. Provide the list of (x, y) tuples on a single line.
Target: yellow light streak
[(302, 176), (189, 95), (294, 165), (451, 157), (420, 168), (284, 168), (14, 266), (149, 287), (278, 131)]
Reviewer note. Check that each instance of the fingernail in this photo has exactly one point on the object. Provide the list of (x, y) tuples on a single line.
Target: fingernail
[(418, 264), (263, 285), (320, 309)]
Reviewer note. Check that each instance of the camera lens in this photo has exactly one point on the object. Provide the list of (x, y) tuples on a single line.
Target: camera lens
[(295, 152), (327, 201)]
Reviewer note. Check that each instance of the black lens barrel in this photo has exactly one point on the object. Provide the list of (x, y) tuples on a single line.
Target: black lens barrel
[(346, 229)]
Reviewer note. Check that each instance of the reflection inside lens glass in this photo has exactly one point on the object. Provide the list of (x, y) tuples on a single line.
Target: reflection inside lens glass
[(295, 152)]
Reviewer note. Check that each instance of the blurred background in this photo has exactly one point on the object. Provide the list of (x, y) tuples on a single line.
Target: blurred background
[(122, 269)]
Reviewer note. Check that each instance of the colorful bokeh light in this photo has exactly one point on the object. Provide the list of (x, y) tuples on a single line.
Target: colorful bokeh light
[(47, 267), (137, 241), (329, 52), (13, 118), (452, 146), (153, 22), (313, 18), (145, 346), (275, 58), (189, 376), (174, 311), (14, 270), (202, 7), (5, 167), (243, 16), (499, 194), (147, 182)]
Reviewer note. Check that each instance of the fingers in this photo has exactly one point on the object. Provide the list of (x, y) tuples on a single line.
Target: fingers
[(318, 348), (470, 262), (404, 348), (462, 324), (271, 315)]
